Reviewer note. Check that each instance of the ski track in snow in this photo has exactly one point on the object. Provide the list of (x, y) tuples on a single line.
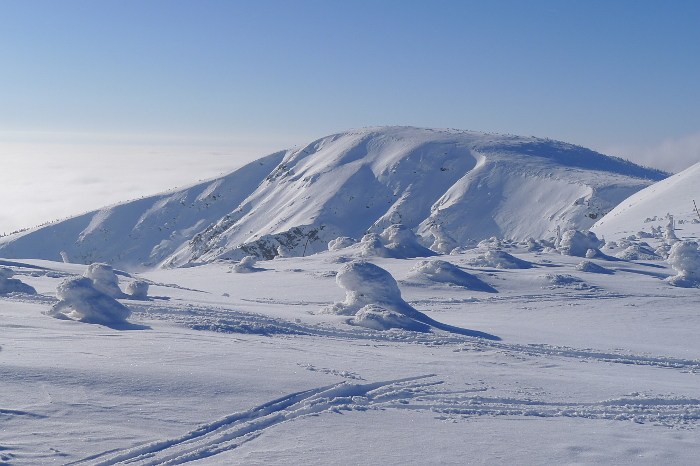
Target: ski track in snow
[(420, 393)]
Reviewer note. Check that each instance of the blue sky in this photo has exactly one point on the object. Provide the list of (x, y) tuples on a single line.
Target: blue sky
[(240, 79)]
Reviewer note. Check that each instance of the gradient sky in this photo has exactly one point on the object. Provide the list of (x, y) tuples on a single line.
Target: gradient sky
[(128, 98)]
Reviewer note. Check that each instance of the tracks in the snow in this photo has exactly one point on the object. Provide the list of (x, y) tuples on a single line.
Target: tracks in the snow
[(414, 393)]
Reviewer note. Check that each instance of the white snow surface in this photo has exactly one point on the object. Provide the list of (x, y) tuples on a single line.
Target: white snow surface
[(652, 206), (244, 369), (472, 185)]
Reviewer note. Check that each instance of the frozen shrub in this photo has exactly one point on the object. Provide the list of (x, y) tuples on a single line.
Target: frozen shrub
[(637, 252), (372, 245), (403, 243), (378, 318), (531, 245), (365, 283), (670, 234), (499, 260), (12, 285), (341, 242), (684, 257), (577, 243), (283, 252), (590, 267), (610, 245), (104, 279), (663, 250), (443, 243), (246, 265), (80, 300), (445, 272), (138, 289)]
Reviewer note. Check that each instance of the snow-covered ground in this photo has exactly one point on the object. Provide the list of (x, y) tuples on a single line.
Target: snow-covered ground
[(218, 367), (384, 347)]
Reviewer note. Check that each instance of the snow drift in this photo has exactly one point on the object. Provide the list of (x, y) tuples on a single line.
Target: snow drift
[(471, 185)]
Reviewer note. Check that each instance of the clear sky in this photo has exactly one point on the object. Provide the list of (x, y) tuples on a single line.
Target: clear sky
[(92, 90)]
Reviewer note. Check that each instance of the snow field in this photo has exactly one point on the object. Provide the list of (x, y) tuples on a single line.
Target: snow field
[(591, 370)]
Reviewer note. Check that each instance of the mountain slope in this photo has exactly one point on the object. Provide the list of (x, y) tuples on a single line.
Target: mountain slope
[(651, 206), (475, 185)]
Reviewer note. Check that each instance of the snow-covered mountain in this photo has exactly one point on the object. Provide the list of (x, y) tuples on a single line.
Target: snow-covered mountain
[(474, 185), (673, 199)]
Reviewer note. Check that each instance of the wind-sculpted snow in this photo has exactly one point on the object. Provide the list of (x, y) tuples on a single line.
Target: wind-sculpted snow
[(13, 285), (451, 187)]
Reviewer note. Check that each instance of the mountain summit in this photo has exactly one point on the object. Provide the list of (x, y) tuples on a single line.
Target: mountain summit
[(472, 185)]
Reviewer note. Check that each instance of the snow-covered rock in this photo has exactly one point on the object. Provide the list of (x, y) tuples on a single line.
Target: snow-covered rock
[(80, 300), (474, 185), (13, 285)]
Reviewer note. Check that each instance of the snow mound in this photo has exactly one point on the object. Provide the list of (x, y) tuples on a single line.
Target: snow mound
[(12, 285), (591, 267), (138, 289), (341, 242), (500, 260), (379, 318), (638, 252), (445, 272), (564, 280), (104, 279), (684, 257), (246, 265), (80, 300), (577, 243)]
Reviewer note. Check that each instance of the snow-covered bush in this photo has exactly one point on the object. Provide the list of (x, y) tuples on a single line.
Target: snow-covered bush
[(670, 234), (246, 265), (12, 285), (104, 279), (684, 257), (637, 252), (372, 246), (531, 245), (445, 272), (379, 318), (137, 289), (443, 243), (341, 242), (80, 300), (577, 243), (591, 267), (366, 284), (397, 241), (403, 243), (499, 260)]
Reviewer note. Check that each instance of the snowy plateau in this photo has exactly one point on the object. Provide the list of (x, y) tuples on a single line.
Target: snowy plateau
[(379, 296)]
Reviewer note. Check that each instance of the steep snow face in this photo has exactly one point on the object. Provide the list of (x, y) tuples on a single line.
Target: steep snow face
[(472, 185), (668, 200)]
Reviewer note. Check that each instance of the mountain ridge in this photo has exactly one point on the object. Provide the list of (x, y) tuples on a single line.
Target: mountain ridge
[(474, 185)]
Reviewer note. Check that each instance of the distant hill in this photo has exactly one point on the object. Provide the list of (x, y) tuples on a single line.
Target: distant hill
[(475, 185), (651, 206)]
